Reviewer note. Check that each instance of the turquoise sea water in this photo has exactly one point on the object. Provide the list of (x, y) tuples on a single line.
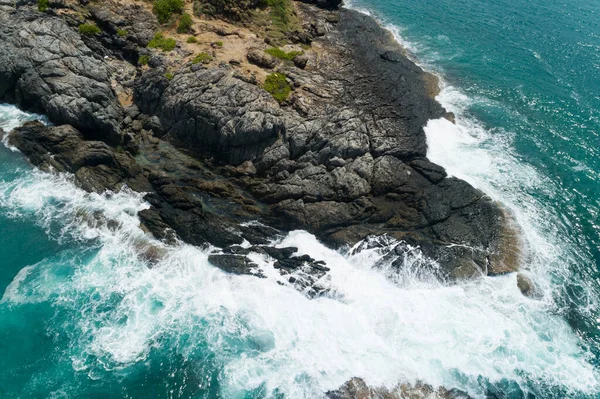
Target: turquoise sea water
[(83, 314)]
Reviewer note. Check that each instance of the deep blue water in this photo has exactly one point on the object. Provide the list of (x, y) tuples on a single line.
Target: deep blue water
[(82, 314)]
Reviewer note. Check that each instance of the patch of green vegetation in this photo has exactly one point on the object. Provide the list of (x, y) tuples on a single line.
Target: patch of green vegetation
[(161, 42), (164, 9), (282, 55), (202, 58), (219, 43), (89, 29), (43, 5), (277, 85), (122, 32), (143, 60), (281, 11), (192, 39), (185, 23), (169, 76), (276, 18)]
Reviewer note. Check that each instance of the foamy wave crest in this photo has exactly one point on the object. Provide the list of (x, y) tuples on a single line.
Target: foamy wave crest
[(262, 335), (12, 117)]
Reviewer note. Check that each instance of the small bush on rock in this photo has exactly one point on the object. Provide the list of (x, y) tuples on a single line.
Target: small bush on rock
[(169, 76), (282, 55), (89, 29), (143, 60), (163, 9), (277, 85), (192, 39), (185, 24), (161, 42), (122, 32), (43, 5), (202, 58)]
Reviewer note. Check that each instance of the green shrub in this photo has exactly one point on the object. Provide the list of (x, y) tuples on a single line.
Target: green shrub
[(185, 23), (161, 42), (163, 9), (143, 60), (192, 39), (219, 44), (169, 76), (282, 55), (202, 58), (89, 29), (281, 12), (277, 85), (122, 32), (43, 5)]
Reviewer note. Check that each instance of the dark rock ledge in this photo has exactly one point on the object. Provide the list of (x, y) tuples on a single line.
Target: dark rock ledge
[(344, 157)]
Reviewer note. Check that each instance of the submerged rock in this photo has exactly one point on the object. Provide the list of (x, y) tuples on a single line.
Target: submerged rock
[(527, 286)]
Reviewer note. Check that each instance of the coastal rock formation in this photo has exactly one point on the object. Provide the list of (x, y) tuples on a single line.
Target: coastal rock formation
[(343, 157), (347, 157)]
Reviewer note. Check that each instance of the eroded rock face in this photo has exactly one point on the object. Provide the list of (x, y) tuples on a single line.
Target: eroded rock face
[(212, 112), (126, 29), (45, 66)]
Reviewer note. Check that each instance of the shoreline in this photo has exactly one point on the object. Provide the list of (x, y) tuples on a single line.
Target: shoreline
[(512, 247)]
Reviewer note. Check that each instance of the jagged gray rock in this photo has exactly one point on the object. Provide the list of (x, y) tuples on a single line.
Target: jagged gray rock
[(45, 66), (347, 157), (211, 111)]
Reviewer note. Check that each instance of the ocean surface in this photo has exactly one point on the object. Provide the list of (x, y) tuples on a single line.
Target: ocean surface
[(82, 315)]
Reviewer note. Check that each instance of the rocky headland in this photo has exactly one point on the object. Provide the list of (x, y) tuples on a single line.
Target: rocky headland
[(242, 127), (343, 156)]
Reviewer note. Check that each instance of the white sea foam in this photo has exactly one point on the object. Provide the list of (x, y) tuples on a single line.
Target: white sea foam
[(264, 333), (12, 117)]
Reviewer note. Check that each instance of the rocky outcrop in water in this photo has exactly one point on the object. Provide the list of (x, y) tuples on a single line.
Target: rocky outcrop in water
[(356, 388), (343, 157), (95, 165)]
